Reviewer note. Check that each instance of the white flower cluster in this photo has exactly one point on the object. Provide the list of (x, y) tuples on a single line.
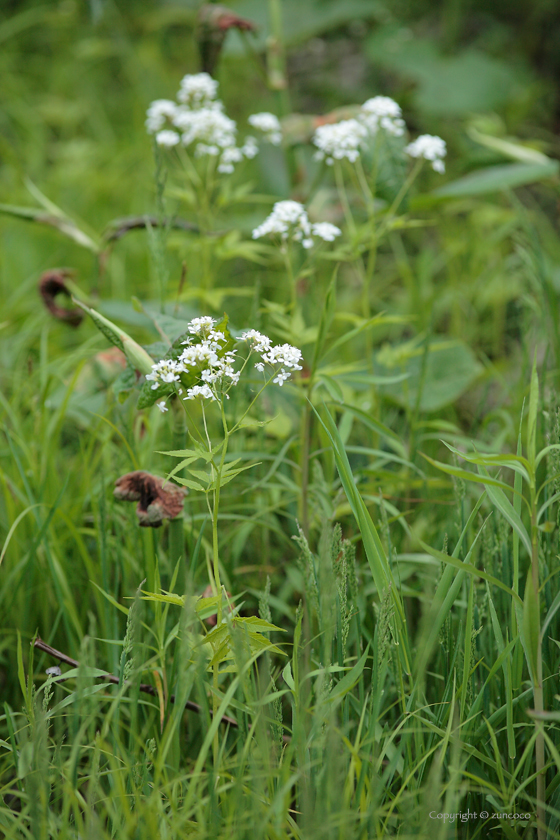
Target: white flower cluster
[(289, 218), (200, 121), (345, 139), (340, 140), (270, 126), (281, 356), (430, 148), (382, 112), (216, 372), (198, 91)]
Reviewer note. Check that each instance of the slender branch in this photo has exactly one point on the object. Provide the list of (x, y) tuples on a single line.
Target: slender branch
[(120, 227), (147, 689)]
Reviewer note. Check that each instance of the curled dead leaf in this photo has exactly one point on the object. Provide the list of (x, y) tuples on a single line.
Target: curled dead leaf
[(213, 24), (155, 502), (52, 284)]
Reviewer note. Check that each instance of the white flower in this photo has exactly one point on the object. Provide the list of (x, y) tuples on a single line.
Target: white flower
[(430, 148), (269, 124), (158, 113), (339, 141), (259, 341), (325, 231), (167, 138), (198, 90), (281, 377), (279, 357), (166, 371), (206, 126), (203, 391), (229, 157), (283, 354), (287, 217), (201, 325), (213, 370), (250, 148), (382, 112), (201, 122)]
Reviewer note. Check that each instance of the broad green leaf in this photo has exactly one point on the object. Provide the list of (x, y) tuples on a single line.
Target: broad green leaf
[(135, 354), (495, 178), (441, 373), (450, 83)]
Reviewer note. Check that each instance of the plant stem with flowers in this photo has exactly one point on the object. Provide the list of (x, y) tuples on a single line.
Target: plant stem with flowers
[(205, 371)]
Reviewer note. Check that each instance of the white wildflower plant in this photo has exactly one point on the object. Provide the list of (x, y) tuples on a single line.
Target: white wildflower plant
[(347, 139), (340, 141), (269, 125), (207, 362), (430, 148), (197, 122), (382, 112), (289, 220)]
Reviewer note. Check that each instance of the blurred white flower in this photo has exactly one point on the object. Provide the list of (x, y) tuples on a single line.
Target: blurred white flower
[(287, 218), (382, 112), (167, 138), (269, 124), (162, 407), (199, 91), (205, 125), (430, 148), (340, 140), (158, 113), (201, 122), (250, 147), (325, 231)]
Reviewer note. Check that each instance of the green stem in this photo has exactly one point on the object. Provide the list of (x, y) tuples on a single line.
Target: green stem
[(176, 532), (291, 276), (344, 198), (305, 450)]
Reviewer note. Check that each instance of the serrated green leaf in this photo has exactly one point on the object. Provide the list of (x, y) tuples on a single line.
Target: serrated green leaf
[(192, 485), (164, 598)]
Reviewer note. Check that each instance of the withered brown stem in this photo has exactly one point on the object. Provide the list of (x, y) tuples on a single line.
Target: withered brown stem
[(147, 689)]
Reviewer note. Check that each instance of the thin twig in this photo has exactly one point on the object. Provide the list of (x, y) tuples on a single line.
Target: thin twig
[(120, 227), (147, 689)]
